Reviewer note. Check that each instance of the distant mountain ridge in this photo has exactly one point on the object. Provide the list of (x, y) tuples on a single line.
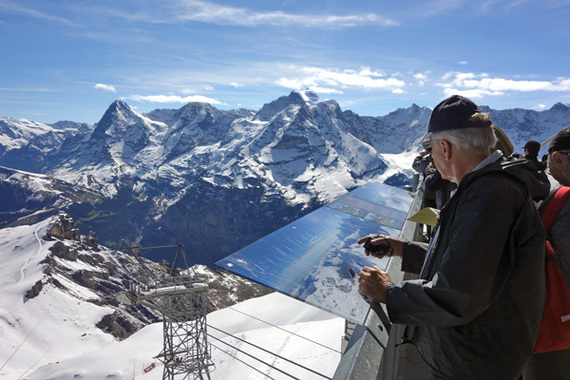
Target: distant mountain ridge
[(215, 180)]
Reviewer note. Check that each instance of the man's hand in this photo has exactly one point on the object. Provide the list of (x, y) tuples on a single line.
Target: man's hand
[(395, 245), (373, 282)]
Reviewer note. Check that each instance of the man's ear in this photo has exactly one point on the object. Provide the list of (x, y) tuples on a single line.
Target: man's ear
[(557, 159), (446, 149)]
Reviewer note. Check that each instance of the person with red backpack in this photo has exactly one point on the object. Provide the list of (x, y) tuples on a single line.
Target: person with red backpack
[(551, 357)]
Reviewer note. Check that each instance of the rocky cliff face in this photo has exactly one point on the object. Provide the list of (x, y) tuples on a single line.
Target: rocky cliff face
[(77, 265)]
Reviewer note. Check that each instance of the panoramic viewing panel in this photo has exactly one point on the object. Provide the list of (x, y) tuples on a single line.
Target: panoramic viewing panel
[(315, 259)]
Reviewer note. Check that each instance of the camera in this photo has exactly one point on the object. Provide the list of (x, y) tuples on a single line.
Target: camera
[(377, 249)]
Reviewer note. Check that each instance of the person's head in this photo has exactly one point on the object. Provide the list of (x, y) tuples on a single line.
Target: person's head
[(559, 156), (460, 135), (504, 144), (531, 148)]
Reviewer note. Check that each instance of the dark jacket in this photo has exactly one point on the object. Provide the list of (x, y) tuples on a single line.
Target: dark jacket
[(478, 305), (540, 166), (536, 181), (442, 188), (420, 165)]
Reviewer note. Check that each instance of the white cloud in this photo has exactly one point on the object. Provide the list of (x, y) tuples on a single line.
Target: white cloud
[(310, 77), (212, 13), (463, 62), (203, 11), (11, 7), (421, 78), (295, 84), (105, 87), (478, 85), (540, 106), (472, 94), (23, 89), (324, 90), (365, 71), (561, 84), (190, 91), (173, 99)]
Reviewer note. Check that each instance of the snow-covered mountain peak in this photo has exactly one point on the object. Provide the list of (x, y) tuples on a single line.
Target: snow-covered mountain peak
[(286, 106), (560, 107), (308, 96), (193, 112), (196, 110), (16, 133), (123, 139), (118, 116), (72, 125), (119, 107)]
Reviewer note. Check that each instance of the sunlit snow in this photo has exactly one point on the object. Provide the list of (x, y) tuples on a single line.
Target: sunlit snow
[(53, 336)]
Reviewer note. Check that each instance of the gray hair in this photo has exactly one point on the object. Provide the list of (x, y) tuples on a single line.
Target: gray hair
[(468, 139)]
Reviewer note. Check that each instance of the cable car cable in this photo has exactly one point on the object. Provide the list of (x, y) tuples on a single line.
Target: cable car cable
[(272, 353)]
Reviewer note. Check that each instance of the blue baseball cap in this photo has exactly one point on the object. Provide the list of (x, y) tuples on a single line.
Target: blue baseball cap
[(454, 113)]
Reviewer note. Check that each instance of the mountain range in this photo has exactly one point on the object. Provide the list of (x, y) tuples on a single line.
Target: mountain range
[(211, 179)]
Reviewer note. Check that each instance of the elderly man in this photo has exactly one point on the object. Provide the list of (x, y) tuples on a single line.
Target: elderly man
[(477, 305), (555, 363)]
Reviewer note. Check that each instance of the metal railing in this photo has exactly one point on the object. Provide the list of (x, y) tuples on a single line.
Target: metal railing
[(372, 352)]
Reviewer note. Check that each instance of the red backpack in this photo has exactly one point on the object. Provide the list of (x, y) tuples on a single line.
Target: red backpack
[(555, 328)]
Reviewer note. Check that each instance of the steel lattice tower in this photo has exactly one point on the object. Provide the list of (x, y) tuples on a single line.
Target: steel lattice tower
[(181, 299)]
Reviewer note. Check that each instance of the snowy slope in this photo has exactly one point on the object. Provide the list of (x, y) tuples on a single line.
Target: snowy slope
[(16, 133), (286, 327), (48, 327), (53, 335)]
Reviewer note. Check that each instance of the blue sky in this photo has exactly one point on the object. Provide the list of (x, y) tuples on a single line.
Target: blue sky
[(69, 60)]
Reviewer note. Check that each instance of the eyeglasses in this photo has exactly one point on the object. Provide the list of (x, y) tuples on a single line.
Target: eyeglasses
[(427, 145)]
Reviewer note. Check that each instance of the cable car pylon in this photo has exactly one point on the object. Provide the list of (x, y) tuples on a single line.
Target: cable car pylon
[(180, 297)]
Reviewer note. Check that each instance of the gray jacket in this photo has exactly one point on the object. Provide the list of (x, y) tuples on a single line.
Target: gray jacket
[(478, 304)]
